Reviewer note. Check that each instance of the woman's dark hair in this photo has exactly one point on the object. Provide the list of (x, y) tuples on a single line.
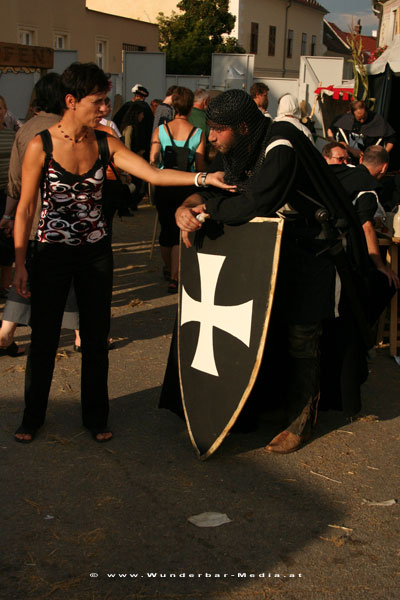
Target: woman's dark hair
[(47, 94), (131, 116), (182, 101), (82, 79)]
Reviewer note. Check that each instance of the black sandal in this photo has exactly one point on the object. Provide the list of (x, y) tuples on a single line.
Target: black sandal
[(110, 346), (12, 350), (173, 286), (25, 431)]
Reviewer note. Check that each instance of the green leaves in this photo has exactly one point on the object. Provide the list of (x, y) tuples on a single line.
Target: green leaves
[(189, 38)]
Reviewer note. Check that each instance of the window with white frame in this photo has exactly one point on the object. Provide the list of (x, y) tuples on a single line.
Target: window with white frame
[(101, 53), (26, 36), (60, 41)]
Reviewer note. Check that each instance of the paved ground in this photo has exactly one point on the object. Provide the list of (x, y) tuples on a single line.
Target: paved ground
[(85, 521)]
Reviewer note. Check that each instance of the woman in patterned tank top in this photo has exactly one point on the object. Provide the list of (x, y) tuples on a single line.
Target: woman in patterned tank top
[(68, 162)]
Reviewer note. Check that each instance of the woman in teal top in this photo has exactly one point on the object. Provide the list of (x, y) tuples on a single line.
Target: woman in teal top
[(167, 200)]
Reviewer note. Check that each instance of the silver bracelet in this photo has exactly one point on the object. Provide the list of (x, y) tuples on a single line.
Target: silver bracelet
[(196, 180), (7, 218), (203, 179)]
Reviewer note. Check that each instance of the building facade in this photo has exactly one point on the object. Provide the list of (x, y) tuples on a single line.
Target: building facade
[(388, 12), (96, 36), (277, 32)]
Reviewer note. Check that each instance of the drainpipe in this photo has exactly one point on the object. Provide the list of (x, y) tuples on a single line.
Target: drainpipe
[(288, 5), (378, 10)]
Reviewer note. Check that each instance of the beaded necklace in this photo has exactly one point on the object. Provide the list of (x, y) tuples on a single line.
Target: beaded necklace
[(68, 137)]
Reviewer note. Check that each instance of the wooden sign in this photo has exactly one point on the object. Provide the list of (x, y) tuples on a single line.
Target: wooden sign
[(19, 55)]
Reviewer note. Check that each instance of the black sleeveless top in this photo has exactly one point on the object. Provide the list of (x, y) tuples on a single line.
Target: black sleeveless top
[(72, 210)]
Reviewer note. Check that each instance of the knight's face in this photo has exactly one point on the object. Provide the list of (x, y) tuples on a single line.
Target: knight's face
[(222, 138)]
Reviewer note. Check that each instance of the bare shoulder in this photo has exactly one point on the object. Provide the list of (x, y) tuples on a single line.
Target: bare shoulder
[(35, 145), (34, 151)]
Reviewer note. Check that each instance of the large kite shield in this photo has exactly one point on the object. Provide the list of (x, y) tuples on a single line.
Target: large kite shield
[(227, 284)]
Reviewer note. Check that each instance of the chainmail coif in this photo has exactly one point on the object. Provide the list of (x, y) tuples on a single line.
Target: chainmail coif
[(237, 110)]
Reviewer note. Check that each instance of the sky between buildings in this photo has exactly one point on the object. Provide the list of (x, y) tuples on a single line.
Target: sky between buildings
[(343, 11)]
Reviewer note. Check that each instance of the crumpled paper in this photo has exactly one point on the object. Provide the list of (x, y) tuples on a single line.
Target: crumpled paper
[(209, 519), (383, 503)]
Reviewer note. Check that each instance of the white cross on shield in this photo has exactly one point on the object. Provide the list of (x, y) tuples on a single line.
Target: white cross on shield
[(235, 320)]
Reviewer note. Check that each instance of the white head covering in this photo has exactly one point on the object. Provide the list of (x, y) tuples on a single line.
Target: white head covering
[(288, 110), (288, 105)]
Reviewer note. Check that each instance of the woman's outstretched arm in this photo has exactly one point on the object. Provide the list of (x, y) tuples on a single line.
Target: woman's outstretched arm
[(132, 163)]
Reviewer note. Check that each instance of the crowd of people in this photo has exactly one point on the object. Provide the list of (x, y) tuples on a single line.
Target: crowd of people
[(62, 172)]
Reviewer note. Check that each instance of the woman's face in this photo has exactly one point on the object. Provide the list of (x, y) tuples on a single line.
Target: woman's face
[(3, 110), (91, 108), (105, 111)]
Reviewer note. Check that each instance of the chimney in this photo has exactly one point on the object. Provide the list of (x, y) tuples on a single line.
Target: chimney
[(358, 27)]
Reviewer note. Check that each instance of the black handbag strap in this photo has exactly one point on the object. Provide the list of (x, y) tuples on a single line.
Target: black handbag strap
[(114, 170), (47, 147), (48, 150), (104, 151)]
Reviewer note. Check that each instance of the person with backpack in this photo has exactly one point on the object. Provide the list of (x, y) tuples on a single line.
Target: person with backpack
[(68, 162), (175, 145)]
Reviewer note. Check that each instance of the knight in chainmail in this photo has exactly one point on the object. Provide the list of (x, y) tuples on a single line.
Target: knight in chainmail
[(277, 170)]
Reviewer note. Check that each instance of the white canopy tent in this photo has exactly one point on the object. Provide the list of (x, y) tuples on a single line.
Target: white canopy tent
[(390, 56)]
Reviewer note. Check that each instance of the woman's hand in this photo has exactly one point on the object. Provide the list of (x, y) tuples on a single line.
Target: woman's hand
[(21, 282), (217, 180)]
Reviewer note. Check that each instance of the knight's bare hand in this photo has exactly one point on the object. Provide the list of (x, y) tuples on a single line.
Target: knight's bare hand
[(186, 218), (217, 180)]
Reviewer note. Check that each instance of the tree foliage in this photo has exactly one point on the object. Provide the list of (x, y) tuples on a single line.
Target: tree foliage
[(189, 38)]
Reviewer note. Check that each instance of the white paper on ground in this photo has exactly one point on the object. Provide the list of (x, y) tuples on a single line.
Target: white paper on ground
[(383, 503), (209, 519)]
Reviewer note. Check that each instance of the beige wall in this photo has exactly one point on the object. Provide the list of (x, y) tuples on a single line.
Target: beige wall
[(144, 10), (82, 27), (390, 24)]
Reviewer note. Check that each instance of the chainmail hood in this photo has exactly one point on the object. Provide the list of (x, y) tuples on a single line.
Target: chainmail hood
[(237, 110)]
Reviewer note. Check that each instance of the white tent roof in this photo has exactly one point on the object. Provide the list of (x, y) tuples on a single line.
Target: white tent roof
[(391, 56)]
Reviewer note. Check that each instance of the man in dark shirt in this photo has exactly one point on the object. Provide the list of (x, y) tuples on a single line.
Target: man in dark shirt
[(361, 128), (277, 169), (363, 187), (165, 111)]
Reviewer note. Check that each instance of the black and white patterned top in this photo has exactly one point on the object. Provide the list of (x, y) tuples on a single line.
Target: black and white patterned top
[(72, 210)]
